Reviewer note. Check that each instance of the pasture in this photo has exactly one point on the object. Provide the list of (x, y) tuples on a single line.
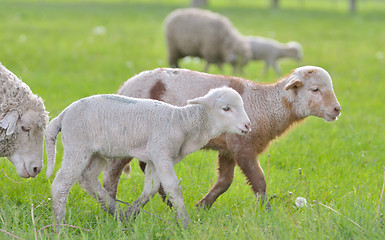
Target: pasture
[(69, 49)]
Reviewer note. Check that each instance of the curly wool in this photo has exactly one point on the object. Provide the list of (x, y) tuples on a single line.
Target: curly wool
[(7, 144), (16, 96)]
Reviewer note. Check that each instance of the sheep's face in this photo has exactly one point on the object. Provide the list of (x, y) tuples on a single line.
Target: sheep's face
[(28, 156), (225, 108), (314, 93)]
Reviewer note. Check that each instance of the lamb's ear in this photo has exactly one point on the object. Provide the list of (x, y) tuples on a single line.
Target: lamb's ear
[(199, 100), (294, 82), (9, 122)]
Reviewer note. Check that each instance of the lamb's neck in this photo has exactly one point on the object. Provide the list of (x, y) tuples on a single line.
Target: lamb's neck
[(197, 124), (277, 111), (283, 53)]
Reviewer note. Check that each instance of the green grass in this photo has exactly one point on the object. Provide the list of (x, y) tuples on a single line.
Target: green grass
[(51, 46)]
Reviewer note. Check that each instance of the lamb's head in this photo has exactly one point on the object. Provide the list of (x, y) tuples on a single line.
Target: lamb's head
[(225, 106), (311, 91), (294, 50), (27, 150)]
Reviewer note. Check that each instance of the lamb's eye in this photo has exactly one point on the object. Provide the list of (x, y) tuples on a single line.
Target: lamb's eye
[(315, 89), (25, 129), (226, 109)]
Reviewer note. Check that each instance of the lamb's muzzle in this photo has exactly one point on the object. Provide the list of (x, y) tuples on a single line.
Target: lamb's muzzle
[(246, 129)]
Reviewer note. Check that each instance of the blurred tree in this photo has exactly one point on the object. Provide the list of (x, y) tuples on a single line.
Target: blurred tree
[(198, 3), (352, 5), (274, 3)]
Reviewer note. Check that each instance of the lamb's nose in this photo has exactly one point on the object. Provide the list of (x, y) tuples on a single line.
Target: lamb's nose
[(247, 126)]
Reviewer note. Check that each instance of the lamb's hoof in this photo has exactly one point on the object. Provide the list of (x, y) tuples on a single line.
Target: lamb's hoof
[(203, 205), (120, 215), (131, 213), (268, 207)]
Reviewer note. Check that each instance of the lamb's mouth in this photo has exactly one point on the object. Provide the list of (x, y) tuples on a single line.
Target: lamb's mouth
[(332, 118), (243, 132)]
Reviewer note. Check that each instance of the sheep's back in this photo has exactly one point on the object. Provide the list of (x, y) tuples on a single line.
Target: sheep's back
[(110, 123), (197, 32)]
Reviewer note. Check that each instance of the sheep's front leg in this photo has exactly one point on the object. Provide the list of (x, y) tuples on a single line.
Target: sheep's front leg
[(226, 164), (255, 176), (170, 183), (151, 186), (266, 68), (277, 69), (161, 190)]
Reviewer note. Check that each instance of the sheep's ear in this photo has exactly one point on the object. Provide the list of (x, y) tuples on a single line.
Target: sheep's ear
[(9, 122), (294, 83)]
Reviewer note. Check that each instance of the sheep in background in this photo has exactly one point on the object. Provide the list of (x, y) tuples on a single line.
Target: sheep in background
[(272, 108), (157, 133), (22, 123), (270, 51), (204, 34)]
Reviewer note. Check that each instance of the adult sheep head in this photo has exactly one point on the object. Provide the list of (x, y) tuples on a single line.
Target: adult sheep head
[(225, 106), (312, 92), (24, 136)]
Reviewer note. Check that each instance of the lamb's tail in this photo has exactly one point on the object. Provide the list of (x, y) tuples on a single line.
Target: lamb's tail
[(53, 129)]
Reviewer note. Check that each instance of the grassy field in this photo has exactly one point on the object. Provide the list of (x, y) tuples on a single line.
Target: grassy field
[(66, 50)]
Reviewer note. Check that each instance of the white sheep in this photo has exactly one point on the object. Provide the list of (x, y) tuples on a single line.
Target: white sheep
[(22, 123), (270, 51), (272, 109), (204, 34), (160, 134)]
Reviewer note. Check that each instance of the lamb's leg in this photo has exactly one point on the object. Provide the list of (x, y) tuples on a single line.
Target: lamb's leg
[(72, 167), (161, 191), (277, 69), (206, 67), (226, 164), (266, 68), (151, 186), (90, 183), (170, 183), (255, 176), (112, 174)]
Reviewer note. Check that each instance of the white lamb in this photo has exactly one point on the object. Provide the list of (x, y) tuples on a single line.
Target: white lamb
[(22, 123), (270, 51), (160, 134)]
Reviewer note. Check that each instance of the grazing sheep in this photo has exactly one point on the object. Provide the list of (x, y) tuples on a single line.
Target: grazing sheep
[(204, 34), (272, 109), (270, 51), (22, 124), (157, 133)]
